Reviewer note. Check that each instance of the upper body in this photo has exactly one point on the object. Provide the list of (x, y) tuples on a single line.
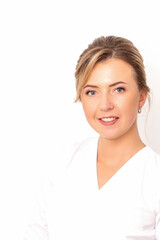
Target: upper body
[(111, 189), (126, 207)]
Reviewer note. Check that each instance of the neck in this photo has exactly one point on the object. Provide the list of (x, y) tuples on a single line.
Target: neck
[(113, 151)]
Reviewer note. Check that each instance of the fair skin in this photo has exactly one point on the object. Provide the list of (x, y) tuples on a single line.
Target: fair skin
[(111, 99)]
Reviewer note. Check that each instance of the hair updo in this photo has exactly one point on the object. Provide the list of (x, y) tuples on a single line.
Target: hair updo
[(105, 48)]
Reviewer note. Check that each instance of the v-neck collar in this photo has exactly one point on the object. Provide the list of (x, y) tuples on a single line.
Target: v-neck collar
[(123, 168)]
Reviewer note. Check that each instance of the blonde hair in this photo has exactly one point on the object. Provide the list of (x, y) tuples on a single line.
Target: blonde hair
[(104, 48)]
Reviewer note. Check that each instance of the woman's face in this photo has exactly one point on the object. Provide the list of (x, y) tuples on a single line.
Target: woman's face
[(111, 99)]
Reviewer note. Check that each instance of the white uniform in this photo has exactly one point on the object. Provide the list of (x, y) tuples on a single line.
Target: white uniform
[(126, 207)]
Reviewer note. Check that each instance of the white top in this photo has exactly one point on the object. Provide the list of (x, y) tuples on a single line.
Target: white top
[(127, 207)]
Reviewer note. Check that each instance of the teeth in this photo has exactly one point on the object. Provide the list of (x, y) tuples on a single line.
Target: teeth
[(108, 119)]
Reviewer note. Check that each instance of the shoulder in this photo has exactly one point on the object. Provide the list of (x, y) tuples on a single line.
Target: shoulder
[(153, 159), (86, 143), (152, 171), (69, 154), (153, 162), (147, 167), (148, 177), (82, 150)]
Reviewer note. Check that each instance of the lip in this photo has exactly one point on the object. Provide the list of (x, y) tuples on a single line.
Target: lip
[(108, 123)]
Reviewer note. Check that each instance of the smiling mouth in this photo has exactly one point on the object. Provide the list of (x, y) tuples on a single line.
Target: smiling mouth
[(108, 119)]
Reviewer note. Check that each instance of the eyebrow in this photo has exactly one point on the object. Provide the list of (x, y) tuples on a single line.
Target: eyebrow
[(92, 86), (116, 83), (111, 85)]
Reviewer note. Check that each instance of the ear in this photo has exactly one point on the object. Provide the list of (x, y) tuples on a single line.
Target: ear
[(143, 97)]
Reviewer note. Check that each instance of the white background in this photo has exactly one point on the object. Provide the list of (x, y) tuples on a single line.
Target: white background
[(40, 42)]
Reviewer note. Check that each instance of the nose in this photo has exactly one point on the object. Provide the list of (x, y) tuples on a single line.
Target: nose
[(106, 102)]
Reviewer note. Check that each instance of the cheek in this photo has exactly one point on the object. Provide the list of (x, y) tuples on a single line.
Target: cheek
[(89, 110), (130, 106)]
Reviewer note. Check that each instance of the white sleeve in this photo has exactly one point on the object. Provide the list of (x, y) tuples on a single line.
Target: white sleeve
[(158, 213), (158, 227), (157, 197), (38, 228)]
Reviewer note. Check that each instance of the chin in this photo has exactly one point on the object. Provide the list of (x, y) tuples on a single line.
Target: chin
[(117, 135), (109, 137)]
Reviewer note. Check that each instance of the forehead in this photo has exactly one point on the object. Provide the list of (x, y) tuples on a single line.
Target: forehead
[(110, 71)]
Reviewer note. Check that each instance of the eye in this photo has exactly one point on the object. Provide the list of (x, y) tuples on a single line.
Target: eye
[(119, 89), (90, 93)]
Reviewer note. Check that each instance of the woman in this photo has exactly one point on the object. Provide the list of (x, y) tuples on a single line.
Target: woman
[(111, 186)]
